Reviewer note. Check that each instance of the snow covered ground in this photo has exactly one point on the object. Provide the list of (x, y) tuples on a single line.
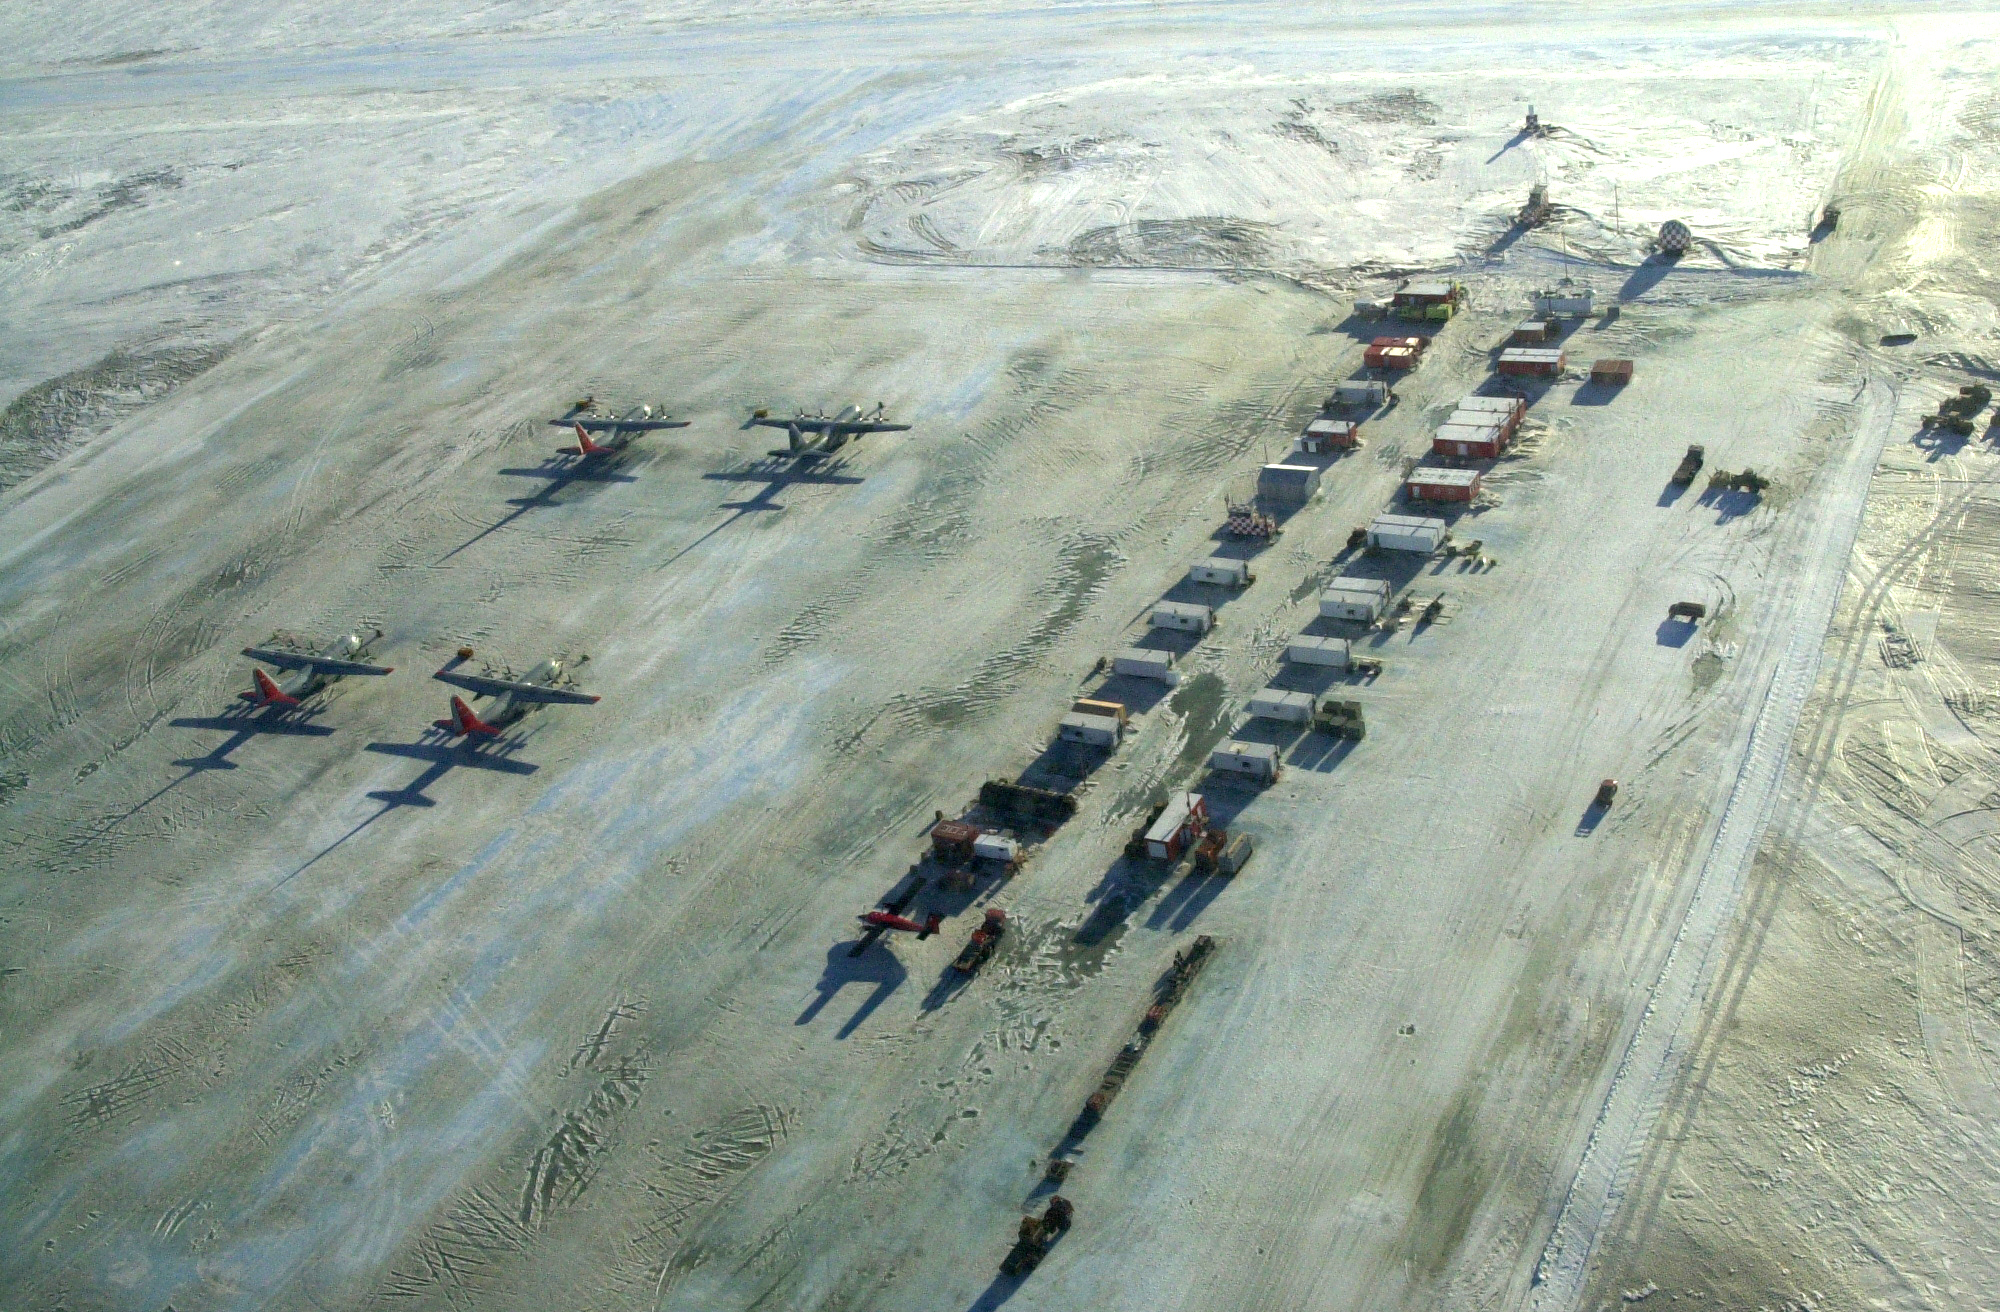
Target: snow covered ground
[(322, 1018)]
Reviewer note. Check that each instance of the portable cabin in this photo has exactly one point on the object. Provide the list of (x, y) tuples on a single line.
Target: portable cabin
[(1144, 663), (1288, 483), (1508, 410), (1308, 649), (1469, 441), (996, 847), (1284, 705), (952, 840), (1431, 484), (1429, 298), (1185, 616), (1417, 534), (1564, 302), (1359, 391), (1483, 419), (1220, 569), (1354, 599), (1323, 435), (1184, 820), (1091, 730), (1257, 760), (1531, 332), (1533, 361), (1611, 373)]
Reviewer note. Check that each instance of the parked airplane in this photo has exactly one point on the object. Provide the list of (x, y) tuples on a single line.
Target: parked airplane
[(830, 432), (309, 671), (626, 425), (514, 698)]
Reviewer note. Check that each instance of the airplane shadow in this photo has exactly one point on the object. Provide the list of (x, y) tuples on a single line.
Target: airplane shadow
[(776, 473), (881, 969), (442, 757), (560, 472), (242, 725)]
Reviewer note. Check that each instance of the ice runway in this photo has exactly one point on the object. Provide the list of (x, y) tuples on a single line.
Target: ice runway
[(335, 1017)]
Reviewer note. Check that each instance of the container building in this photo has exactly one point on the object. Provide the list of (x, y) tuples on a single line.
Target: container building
[(1354, 599), (1257, 760), (1309, 649), (1185, 616), (1427, 483), (1417, 534)]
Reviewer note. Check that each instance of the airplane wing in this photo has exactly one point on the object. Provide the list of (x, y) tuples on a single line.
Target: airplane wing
[(521, 692), (870, 428), (293, 660), (441, 754), (803, 424), (612, 425)]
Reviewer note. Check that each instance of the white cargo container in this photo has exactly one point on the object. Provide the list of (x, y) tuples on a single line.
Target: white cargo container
[(1308, 650), (1296, 483), (995, 847), (1091, 730), (1418, 534), (1258, 760), (1502, 405), (1183, 615), (1145, 663), (1354, 599), (1572, 301), (1221, 569), (1278, 704), (1360, 391)]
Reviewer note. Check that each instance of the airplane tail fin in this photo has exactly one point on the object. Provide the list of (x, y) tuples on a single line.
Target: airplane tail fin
[(931, 925), (267, 692), (584, 446), (464, 722), (797, 442)]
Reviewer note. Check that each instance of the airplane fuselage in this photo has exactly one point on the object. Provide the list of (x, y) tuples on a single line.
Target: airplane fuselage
[(303, 675), (508, 709)]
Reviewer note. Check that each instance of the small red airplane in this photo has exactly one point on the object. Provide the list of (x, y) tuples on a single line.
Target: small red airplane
[(465, 723), (880, 920)]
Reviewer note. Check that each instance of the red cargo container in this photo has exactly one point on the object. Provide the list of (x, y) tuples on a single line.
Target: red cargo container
[(1532, 361), (952, 841), (1337, 433), (1390, 357), (1469, 442), (1414, 343), (1615, 373), (1429, 484)]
